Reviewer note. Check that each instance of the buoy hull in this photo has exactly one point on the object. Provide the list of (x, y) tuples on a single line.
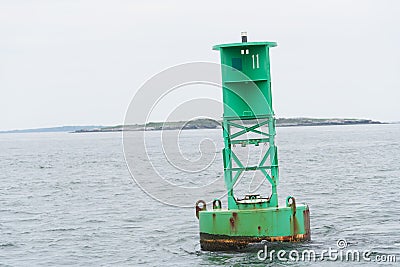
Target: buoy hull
[(236, 229)]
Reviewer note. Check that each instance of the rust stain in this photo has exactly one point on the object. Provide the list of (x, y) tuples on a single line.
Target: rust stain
[(295, 225), (306, 215), (223, 243), (232, 222), (200, 208)]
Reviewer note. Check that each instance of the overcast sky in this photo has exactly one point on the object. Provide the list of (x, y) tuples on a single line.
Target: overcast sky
[(80, 62)]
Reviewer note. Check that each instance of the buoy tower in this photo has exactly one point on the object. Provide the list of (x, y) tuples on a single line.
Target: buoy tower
[(248, 120)]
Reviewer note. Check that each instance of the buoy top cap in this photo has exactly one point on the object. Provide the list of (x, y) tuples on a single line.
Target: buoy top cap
[(269, 44)]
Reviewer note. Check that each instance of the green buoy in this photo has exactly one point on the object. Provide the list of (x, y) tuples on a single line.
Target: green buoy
[(249, 120)]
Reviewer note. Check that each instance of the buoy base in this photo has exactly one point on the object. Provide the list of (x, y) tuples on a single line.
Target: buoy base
[(228, 243), (236, 229)]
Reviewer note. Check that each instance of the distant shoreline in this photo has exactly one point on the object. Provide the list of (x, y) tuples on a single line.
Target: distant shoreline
[(196, 124), (61, 129), (211, 124)]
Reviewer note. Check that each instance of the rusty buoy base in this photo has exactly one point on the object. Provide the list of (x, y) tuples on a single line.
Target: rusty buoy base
[(235, 229), (230, 243)]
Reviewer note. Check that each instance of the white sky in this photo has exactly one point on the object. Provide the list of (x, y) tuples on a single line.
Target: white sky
[(80, 62)]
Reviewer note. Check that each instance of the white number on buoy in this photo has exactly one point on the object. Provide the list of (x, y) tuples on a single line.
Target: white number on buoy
[(256, 63)]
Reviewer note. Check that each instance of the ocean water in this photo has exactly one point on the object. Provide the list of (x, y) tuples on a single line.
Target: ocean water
[(69, 199)]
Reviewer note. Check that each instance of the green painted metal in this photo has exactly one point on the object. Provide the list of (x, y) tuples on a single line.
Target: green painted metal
[(247, 97), (264, 222), (248, 119)]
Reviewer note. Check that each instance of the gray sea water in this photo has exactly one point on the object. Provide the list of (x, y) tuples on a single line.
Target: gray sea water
[(69, 199)]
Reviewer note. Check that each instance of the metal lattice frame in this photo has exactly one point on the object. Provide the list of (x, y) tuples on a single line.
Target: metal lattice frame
[(232, 174)]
